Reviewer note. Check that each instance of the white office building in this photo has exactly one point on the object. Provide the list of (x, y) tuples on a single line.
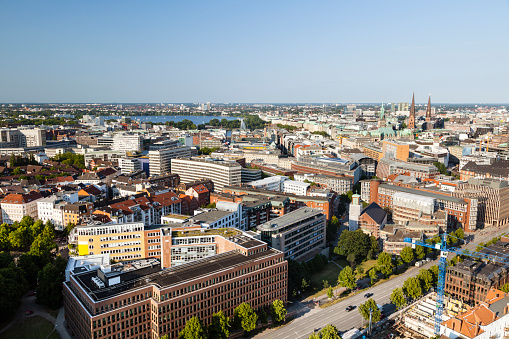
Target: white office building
[(274, 183), (296, 187), (129, 165), (160, 159), (128, 142), (222, 173)]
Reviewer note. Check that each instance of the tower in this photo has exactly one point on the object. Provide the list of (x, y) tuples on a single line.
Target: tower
[(381, 122), (428, 110), (411, 118), (354, 213)]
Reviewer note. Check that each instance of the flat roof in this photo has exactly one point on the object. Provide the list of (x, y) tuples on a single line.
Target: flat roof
[(211, 216), (289, 218), (423, 193), (153, 275)]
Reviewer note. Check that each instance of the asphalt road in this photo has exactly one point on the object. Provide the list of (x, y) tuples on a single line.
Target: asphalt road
[(336, 315)]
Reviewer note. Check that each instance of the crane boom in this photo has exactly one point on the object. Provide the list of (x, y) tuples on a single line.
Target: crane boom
[(442, 266)]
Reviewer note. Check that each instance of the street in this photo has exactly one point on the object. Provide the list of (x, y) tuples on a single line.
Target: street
[(336, 315)]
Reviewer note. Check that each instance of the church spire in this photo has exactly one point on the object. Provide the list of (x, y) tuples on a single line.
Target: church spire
[(411, 118), (382, 112), (428, 109)]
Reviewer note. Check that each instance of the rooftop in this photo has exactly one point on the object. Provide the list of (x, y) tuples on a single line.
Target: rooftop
[(437, 196), (290, 218)]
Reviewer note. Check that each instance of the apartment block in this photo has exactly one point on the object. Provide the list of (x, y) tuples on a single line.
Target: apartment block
[(140, 299), (16, 206), (129, 165), (299, 234), (222, 173)]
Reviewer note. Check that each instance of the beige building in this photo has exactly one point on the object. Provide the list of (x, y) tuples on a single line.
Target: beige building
[(160, 160), (16, 206), (222, 173)]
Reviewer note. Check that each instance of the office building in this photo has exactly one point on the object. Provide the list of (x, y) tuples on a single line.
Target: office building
[(160, 159), (296, 187), (127, 142), (205, 271), (274, 183), (129, 165), (222, 173), (299, 234)]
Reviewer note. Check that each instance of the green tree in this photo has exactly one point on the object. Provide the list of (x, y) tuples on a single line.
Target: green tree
[(43, 248), (193, 330), (441, 167), (356, 242), (384, 263), (219, 326), (17, 171), (330, 292), (262, 316), (505, 288), (373, 274), (20, 237), (13, 285), (332, 228), (407, 254), (420, 252), (364, 310), (5, 243), (304, 285), (460, 234), (346, 278), (398, 298), (49, 288), (6, 259), (351, 259), (278, 311), (426, 279), (314, 335), (412, 288), (375, 245), (360, 272), (27, 264), (245, 317), (329, 332)]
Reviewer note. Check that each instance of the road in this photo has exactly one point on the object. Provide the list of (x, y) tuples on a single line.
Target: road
[(336, 315)]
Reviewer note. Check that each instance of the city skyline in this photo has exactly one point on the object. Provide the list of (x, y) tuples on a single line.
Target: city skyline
[(224, 51)]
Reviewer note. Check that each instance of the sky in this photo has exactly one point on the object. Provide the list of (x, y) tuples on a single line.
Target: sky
[(254, 51)]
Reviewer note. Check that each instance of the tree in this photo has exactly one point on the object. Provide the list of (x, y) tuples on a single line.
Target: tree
[(373, 274), (384, 263), (441, 167), (17, 171), (304, 285), (426, 279), (278, 311), (412, 288), (262, 316), (6, 259), (27, 264), (351, 259), (420, 252), (375, 246), (245, 317), (219, 326), (346, 278), (332, 228), (360, 272), (42, 249), (49, 288), (364, 310), (314, 335), (329, 332), (14, 286), (407, 254), (330, 292), (20, 237), (398, 298), (356, 242), (460, 234), (505, 288), (193, 330), (5, 243)]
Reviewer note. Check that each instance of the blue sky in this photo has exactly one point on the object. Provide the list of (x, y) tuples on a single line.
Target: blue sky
[(254, 51)]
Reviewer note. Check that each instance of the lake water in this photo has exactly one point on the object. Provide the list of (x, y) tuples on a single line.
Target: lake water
[(196, 119)]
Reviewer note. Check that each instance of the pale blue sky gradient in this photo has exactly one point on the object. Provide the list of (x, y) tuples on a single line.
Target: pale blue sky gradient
[(254, 51)]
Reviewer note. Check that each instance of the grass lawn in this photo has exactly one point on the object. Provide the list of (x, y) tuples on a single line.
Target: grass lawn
[(330, 273), (342, 263), (31, 328), (367, 265)]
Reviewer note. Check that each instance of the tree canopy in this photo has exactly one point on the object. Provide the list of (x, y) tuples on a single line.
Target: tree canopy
[(364, 310), (278, 311), (354, 242), (398, 298), (245, 316), (346, 278), (219, 326), (384, 263), (193, 330)]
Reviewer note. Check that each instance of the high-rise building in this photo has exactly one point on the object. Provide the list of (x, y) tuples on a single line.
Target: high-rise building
[(128, 142), (33, 137), (411, 118), (222, 173), (160, 159), (129, 165)]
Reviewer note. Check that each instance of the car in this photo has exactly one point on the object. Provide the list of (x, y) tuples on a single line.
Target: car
[(28, 312), (349, 308), (368, 295), (31, 293)]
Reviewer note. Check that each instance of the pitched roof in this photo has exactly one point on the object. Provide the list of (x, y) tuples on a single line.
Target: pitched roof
[(16, 198), (375, 212)]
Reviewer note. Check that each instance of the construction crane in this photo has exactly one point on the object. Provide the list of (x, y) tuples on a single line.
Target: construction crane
[(442, 266)]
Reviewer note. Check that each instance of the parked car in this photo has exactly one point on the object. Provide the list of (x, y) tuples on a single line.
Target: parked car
[(31, 293), (349, 308), (28, 312), (368, 295)]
